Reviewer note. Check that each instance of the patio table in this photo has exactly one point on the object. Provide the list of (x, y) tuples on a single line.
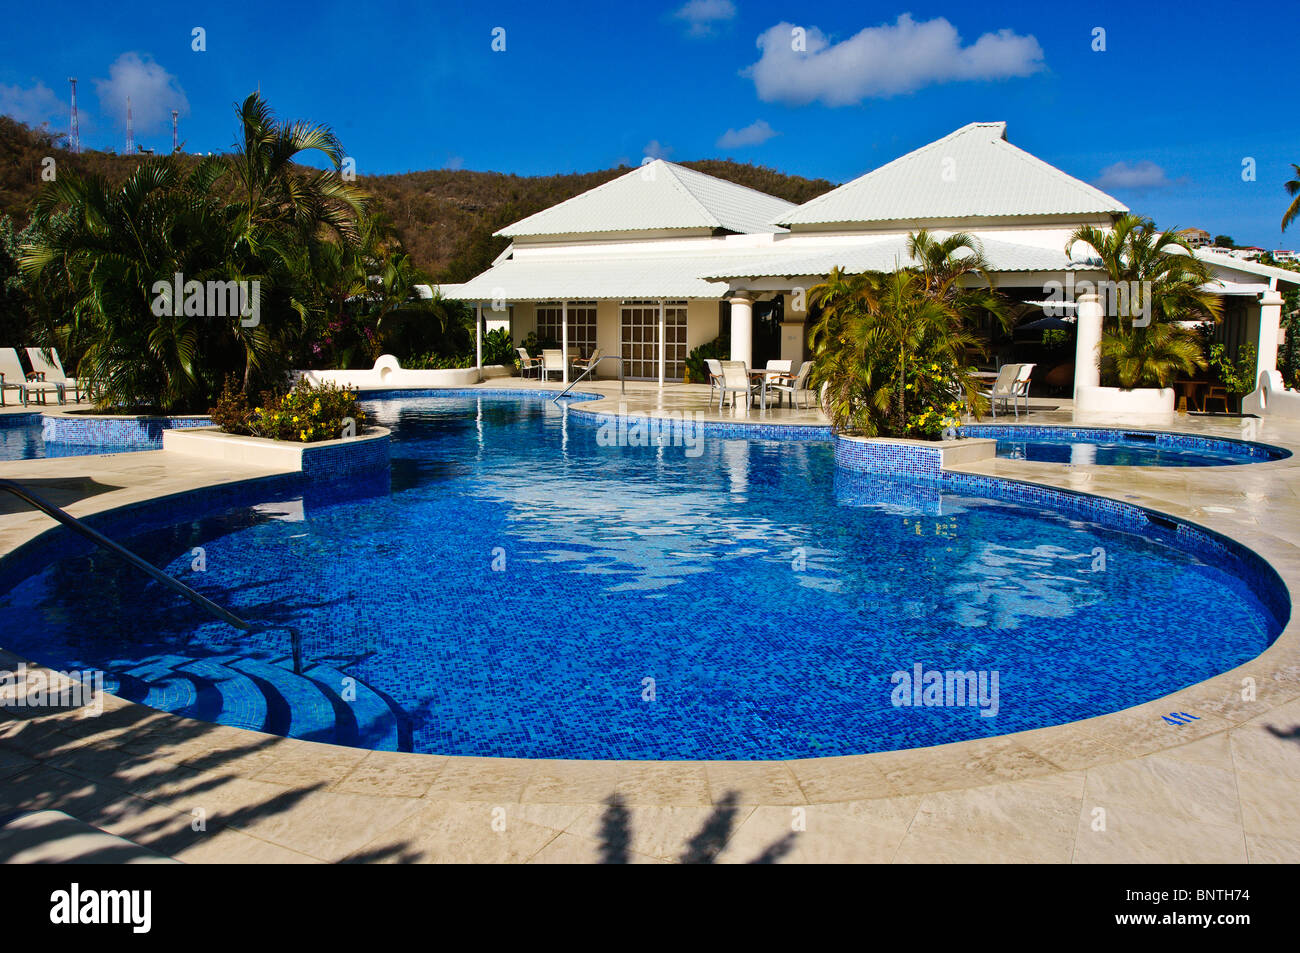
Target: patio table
[(1194, 391), (764, 375)]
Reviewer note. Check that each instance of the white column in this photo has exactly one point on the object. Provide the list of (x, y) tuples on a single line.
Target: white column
[(564, 339), (742, 327), (1270, 323), (478, 336), (663, 343), (1087, 359)]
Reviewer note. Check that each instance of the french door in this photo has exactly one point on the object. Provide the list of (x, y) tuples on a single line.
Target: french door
[(639, 330)]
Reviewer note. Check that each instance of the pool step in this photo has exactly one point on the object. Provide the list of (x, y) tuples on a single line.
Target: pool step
[(374, 724), (321, 704)]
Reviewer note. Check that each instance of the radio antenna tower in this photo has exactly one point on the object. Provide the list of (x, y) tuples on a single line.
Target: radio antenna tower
[(76, 134), (176, 143), (130, 129)]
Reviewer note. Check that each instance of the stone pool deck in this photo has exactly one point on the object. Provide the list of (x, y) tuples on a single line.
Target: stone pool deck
[(1124, 787)]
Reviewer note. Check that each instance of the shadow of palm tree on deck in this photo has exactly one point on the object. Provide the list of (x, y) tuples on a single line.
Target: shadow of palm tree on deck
[(702, 848)]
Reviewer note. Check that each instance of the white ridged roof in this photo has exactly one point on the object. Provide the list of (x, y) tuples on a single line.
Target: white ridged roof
[(546, 278), (659, 195), (886, 254), (973, 172)]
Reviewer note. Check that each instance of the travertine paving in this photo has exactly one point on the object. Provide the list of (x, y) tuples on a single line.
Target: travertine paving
[(1124, 787)]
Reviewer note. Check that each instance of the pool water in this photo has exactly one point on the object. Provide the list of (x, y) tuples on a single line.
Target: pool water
[(522, 589)]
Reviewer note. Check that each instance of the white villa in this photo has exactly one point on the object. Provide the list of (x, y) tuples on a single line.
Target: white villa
[(664, 258)]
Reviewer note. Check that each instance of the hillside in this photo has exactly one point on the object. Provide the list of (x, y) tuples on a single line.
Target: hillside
[(445, 217)]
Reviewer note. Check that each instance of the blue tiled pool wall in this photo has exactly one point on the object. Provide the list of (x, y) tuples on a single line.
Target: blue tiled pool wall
[(718, 429), (342, 461), (1182, 441), (19, 420), (144, 433), (905, 459), (392, 393)]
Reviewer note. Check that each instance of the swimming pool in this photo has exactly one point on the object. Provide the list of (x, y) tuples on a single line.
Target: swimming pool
[(1122, 448), (519, 587)]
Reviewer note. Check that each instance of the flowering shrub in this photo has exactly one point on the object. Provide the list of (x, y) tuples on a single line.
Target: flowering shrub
[(306, 413), (930, 423)]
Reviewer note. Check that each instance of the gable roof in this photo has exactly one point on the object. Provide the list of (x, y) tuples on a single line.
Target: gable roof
[(658, 195), (968, 173)]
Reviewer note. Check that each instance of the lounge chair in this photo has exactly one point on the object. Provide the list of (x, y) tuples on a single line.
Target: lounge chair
[(794, 387), (552, 362), (528, 363), (735, 380), (12, 376), (1004, 389), (589, 364), (52, 372)]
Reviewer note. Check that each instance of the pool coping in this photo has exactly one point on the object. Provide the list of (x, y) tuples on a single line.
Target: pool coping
[(1217, 703)]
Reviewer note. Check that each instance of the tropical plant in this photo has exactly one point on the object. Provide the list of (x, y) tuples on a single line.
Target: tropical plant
[(887, 349), (1293, 189), (498, 348), (253, 216), (1237, 377), (1164, 282)]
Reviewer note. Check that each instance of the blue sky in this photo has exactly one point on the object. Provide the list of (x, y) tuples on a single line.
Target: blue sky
[(1163, 118)]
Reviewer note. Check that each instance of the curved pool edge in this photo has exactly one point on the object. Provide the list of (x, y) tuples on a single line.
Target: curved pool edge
[(1217, 703)]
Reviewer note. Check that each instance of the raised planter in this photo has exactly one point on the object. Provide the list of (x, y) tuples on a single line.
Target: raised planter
[(326, 459), (904, 456), (388, 374), (1141, 401)]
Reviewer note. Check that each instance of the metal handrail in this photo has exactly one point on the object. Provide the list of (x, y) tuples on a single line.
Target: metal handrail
[(622, 384), (102, 541)]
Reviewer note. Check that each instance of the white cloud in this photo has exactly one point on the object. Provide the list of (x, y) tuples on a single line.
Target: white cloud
[(702, 16), (883, 61), (1140, 175), (657, 150), (755, 134), (34, 105), (454, 163), (154, 93)]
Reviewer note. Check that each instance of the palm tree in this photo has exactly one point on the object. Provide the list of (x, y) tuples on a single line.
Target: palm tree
[(252, 216), (1292, 188), (1163, 274), (886, 345)]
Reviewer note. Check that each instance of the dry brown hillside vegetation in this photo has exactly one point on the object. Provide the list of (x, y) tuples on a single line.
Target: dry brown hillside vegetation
[(445, 217)]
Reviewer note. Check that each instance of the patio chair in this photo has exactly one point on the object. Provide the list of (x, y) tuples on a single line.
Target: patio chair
[(794, 387), (1215, 392), (1004, 389), (52, 371), (552, 362), (715, 375), (735, 380), (528, 363), (1022, 385), (589, 364), (780, 365), (12, 376)]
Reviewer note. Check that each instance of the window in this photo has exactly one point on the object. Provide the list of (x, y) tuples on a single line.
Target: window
[(582, 324), (639, 326)]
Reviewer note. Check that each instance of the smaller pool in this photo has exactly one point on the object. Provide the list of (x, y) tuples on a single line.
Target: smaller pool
[(1122, 448)]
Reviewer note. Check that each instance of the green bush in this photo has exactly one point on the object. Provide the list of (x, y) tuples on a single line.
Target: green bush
[(498, 348), (717, 349), (306, 413), (435, 362)]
